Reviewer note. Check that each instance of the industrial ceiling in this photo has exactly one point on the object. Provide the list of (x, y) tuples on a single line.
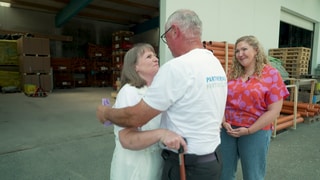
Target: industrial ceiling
[(124, 12)]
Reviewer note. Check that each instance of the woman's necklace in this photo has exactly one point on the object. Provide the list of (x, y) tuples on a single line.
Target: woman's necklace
[(246, 76)]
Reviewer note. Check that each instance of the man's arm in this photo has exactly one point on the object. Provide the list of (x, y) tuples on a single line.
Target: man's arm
[(134, 116)]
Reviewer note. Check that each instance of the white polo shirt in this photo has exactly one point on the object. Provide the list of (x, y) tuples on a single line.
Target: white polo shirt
[(191, 91)]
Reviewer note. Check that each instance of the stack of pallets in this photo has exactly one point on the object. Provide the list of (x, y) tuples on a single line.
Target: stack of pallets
[(121, 43), (295, 59), (9, 65)]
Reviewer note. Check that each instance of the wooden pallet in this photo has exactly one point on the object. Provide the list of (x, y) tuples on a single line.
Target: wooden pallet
[(294, 55), (293, 65)]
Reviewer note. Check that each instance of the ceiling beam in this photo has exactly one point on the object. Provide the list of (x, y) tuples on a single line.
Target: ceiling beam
[(34, 6), (112, 10), (70, 10), (111, 19), (145, 26), (133, 4), (125, 12)]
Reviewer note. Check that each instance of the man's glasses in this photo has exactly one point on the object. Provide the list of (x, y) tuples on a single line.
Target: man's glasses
[(163, 36)]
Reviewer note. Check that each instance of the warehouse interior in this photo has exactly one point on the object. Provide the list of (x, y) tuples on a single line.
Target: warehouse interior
[(86, 45), (54, 73)]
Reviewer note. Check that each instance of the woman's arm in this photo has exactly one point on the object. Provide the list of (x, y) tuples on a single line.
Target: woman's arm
[(268, 117), (226, 125), (131, 138)]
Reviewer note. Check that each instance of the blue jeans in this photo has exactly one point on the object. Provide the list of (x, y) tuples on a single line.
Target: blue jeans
[(250, 149)]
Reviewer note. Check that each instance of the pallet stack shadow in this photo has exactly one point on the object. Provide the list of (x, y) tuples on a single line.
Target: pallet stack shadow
[(100, 65), (295, 59), (34, 62), (93, 70), (121, 43), (223, 51), (9, 65), (71, 72), (62, 72)]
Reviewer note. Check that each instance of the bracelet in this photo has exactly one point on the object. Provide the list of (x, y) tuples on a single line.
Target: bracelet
[(103, 115), (248, 131)]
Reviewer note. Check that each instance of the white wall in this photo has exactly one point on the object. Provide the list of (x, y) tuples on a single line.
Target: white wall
[(227, 20), (307, 8)]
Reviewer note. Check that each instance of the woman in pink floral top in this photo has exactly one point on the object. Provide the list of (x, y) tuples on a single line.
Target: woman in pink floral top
[(255, 96)]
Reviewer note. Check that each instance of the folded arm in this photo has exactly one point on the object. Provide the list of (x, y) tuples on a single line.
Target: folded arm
[(265, 119), (268, 117), (131, 138)]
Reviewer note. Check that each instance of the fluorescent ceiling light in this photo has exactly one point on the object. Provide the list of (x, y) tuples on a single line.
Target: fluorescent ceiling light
[(5, 4)]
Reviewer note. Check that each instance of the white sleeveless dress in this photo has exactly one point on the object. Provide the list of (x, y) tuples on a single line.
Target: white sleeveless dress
[(127, 164)]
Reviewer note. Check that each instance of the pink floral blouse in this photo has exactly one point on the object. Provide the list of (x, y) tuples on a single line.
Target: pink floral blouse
[(247, 101)]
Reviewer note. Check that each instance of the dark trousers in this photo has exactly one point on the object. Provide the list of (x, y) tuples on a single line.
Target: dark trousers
[(207, 167)]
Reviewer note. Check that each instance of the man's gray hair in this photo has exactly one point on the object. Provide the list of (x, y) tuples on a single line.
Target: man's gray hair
[(188, 22)]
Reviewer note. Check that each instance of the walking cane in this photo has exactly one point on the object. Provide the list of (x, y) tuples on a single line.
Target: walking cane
[(181, 163)]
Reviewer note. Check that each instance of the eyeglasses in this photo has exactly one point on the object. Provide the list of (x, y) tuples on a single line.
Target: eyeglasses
[(163, 36)]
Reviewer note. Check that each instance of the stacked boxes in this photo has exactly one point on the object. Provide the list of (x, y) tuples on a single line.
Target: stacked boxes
[(34, 62), (121, 40), (222, 50), (295, 59), (121, 43), (8, 52), (9, 69), (33, 46), (9, 78), (81, 72)]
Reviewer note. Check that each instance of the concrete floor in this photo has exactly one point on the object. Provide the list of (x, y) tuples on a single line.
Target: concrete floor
[(58, 137)]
